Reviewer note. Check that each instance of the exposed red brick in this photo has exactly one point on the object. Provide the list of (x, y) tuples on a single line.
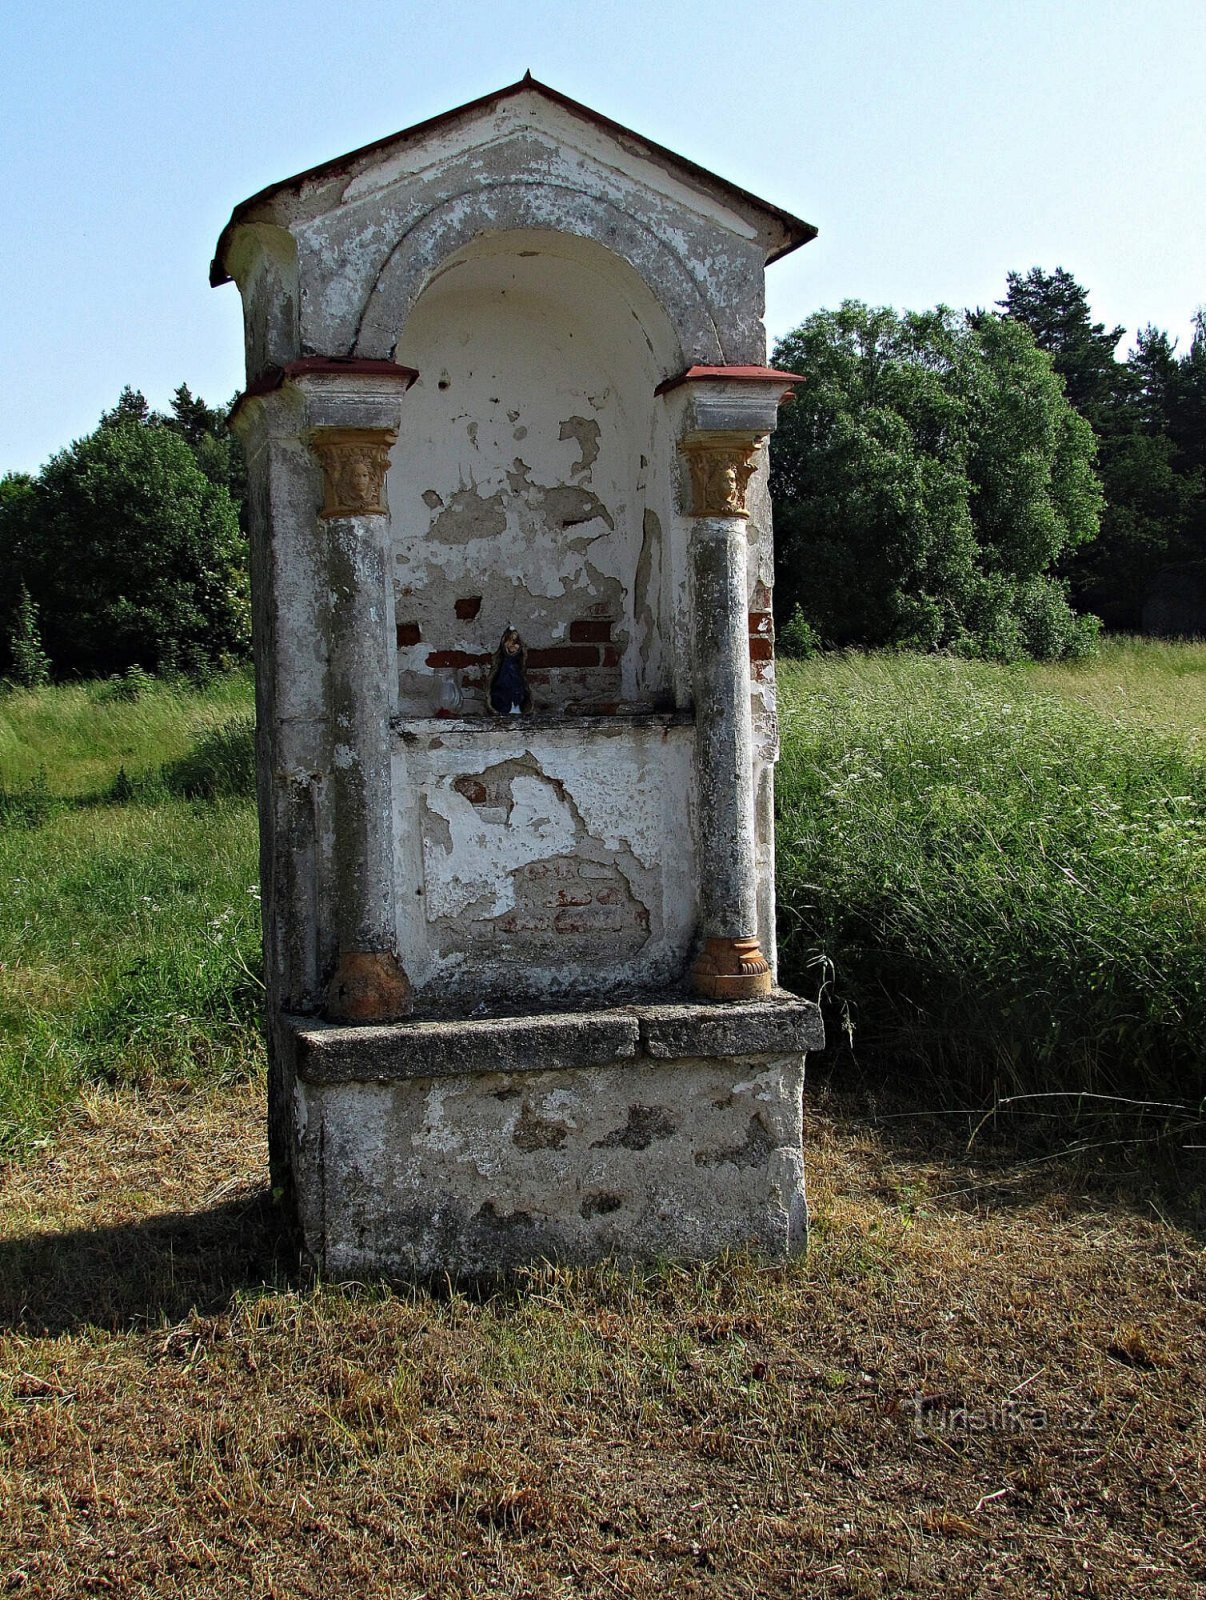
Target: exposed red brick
[(581, 896), (455, 658), (762, 671), (560, 655), (762, 622), (523, 922), (408, 633), (468, 607), (588, 630), (611, 656), (761, 649), (473, 789)]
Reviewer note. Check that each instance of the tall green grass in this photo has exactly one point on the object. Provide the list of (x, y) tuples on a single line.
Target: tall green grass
[(129, 934), (78, 736), (996, 874), (998, 884)]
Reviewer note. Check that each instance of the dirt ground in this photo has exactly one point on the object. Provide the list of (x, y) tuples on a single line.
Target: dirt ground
[(984, 1379)]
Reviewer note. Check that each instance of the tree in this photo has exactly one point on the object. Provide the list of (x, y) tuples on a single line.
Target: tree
[(1150, 441), (132, 555), (927, 477), (1056, 310), (16, 510), (30, 663), (131, 407), (216, 450)]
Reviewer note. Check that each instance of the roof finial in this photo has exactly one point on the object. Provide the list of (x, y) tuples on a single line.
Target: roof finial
[(527, 77)]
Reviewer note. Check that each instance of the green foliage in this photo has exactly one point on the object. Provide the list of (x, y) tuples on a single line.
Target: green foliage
[(218, 453), (1056, 310), (798, 639), (30, 663), (129, 685), (1004, 888), (132, 554), (1149, 417), (220, 764), (926, 479), (131, 547)]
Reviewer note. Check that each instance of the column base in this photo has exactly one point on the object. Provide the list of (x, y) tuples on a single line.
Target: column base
[(731, 969), (368, 986)]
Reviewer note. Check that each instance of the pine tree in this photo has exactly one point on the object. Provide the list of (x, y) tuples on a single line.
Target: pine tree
[(1056, 310)]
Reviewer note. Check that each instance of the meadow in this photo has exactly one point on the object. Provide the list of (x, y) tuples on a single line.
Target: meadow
[(981, 1379), (995, 877)]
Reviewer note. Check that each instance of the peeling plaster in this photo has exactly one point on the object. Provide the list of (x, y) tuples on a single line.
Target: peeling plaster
[(585, 430)]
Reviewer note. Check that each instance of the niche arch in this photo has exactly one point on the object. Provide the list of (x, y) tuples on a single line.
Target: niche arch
[(532, 479), (468, 220)]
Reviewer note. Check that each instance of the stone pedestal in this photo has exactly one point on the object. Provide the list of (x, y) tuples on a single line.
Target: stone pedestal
[(669, 1129)]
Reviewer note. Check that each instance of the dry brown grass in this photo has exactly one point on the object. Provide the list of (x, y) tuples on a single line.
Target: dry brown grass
[(181, 1414)]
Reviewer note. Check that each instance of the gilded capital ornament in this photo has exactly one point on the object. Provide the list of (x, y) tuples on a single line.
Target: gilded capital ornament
[(721, 466), (354, 464)]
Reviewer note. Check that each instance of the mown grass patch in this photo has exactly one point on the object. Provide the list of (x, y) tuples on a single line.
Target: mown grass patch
[(993, 884), (981, 1378)]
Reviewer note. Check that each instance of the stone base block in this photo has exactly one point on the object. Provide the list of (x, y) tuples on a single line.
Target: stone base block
[(473, 1147)]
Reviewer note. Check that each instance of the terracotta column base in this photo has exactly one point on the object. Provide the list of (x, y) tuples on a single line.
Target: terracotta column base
[(731, 969), (368, 986)]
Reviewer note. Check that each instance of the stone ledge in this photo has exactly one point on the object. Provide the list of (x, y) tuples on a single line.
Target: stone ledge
[(413, 729), (327, 1054), (781, 1024)]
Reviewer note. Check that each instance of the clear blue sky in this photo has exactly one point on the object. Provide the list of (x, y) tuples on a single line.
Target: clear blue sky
[(936, 144)]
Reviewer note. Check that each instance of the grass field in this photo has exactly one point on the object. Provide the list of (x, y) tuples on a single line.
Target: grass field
[(983, 1379), (129, 936), (997, 876)]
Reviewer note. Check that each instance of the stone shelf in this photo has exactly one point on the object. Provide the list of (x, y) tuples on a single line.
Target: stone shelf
[(411, 729), (667, 1030)]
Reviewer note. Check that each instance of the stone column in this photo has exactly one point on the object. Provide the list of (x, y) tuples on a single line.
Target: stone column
[(368, 984), (731, 965)]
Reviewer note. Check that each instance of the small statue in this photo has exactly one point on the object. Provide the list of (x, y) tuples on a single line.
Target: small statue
[(508, 694)]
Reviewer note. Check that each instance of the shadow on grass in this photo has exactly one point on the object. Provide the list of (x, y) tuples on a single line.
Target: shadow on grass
[(1082, 1156), (147, 1272)]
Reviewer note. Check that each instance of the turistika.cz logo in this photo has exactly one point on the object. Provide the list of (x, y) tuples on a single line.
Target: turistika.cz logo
[(937, 1413)]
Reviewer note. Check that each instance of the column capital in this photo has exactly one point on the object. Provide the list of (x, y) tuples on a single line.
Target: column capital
[(720, 465), (355, 462)]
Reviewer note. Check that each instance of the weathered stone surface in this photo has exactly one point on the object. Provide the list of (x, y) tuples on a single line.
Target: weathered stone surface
[(664, 1031), (478, 1174), (779, 1024), (439, 1049)]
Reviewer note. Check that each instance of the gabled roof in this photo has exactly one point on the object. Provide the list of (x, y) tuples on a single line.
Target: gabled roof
[(797, 231)]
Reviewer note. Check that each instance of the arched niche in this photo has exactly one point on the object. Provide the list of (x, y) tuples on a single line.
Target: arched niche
[(531, 481)]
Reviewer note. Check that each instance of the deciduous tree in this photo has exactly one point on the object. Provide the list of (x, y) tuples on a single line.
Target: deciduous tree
[(927, 477), (131, 553)]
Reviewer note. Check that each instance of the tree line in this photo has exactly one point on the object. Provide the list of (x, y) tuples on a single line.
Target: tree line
[(128, 549), (995, 483), (992, 483)]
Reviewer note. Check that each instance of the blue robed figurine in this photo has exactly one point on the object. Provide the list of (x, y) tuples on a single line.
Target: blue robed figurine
[(509, 694)]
